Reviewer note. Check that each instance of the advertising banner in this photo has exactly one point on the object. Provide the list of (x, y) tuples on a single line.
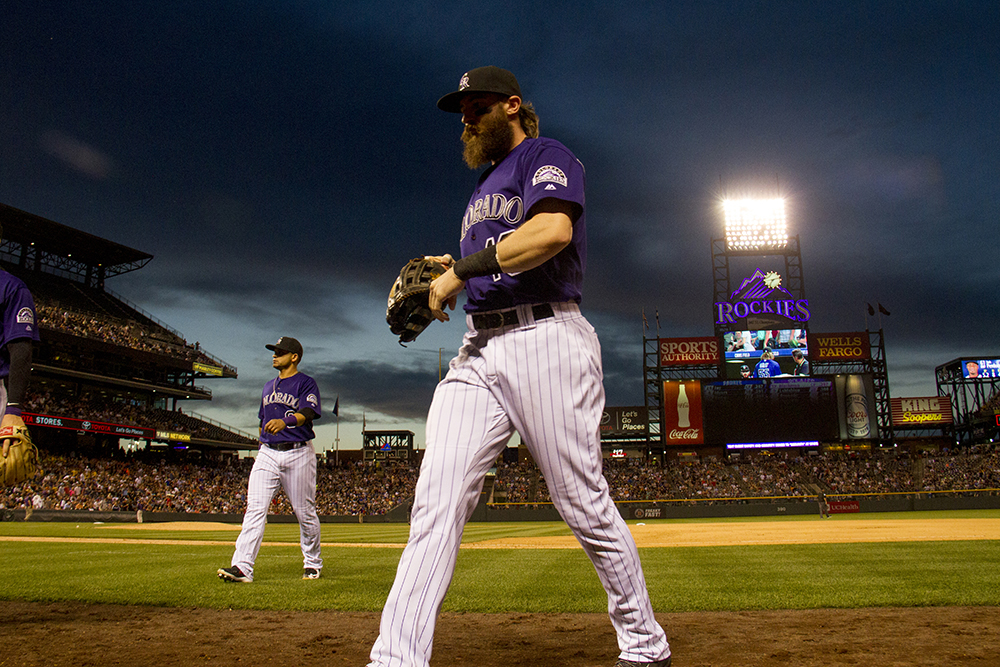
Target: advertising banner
[(843, 506), (687, 351), (682, 416), (916, 412), (856, 407), (840, 346), (207, 369), (169, 435), (88, 426), (631, 422)]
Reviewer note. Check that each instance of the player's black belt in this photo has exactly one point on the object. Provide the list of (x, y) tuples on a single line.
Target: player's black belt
[(506, 318), (285, 446)]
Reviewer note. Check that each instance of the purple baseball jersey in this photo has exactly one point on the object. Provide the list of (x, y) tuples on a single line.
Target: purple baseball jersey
[(18, 316), (285, 396), (536, 169)]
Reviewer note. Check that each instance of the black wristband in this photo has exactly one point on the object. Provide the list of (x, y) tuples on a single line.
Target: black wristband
[(482, 263)]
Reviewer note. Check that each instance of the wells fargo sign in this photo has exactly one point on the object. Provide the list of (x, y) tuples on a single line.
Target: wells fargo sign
[(839, 346), (915, 412), (684, 351)]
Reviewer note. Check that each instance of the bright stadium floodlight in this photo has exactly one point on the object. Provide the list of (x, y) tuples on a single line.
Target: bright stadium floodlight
[(755, 224)]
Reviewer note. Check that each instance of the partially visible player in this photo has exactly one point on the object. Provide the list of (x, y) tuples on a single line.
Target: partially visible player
[(767, 367), (19, 329), (289, 404), (529, 362)]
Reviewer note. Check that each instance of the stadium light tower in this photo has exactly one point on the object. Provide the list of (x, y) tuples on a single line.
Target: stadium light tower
[(755, 224)]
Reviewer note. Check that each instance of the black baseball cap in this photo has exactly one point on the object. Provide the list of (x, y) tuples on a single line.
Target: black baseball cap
[(487, 79), (287, 344)]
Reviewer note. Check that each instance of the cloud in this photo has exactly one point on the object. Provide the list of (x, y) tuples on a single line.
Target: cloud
[(77, 155)]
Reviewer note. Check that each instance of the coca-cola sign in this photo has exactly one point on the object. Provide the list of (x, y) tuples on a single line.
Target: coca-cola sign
[(681, 416)]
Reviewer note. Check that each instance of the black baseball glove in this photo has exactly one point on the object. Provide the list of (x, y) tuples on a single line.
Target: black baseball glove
[(407, 313)]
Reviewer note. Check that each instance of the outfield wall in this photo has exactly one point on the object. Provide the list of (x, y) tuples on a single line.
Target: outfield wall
[(632, 511)]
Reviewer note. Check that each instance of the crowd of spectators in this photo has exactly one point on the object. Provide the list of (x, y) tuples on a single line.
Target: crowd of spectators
[(119, 331), (79, 483), (219, 487)]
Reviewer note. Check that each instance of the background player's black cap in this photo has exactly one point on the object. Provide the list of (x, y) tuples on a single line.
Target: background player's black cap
[(487, 79), (287, 344)]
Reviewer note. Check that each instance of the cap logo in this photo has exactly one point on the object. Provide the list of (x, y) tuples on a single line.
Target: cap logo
[(464, 82), (549, 174)]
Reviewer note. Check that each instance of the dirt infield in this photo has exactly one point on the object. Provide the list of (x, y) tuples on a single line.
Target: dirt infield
[(74, 634)]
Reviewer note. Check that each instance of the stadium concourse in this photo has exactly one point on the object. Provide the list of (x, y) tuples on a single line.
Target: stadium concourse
[(145, 481)]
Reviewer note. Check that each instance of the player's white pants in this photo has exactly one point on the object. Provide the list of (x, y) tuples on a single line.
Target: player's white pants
[(295, 472), (543, 380)]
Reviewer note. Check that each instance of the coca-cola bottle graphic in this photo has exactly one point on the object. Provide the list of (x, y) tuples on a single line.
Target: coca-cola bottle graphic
[(683, 408)]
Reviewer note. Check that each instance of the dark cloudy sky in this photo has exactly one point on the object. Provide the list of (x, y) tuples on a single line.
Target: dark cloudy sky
[(282, 160)]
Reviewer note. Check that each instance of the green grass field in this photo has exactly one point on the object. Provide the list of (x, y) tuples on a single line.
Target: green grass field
[(903, 574)]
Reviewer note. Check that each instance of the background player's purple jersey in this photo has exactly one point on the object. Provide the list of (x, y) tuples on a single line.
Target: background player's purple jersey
[(18, 316), (284, 396), (536, 169)]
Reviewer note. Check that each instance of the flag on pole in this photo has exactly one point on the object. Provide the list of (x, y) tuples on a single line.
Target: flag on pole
[(645, 324), (336, 407), (882, 309), (871, 311)]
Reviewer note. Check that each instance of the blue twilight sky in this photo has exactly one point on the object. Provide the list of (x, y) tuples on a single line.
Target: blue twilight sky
[(282, 160)]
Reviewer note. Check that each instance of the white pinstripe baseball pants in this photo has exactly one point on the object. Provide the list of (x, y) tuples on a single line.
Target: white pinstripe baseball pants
[(295, 472), (543, 380)]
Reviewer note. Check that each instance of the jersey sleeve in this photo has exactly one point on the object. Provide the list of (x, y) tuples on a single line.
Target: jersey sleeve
[(310, 398), (554, 172), (19, 314)]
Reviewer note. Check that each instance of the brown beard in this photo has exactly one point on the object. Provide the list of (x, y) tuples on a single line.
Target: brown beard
[(489, 140)]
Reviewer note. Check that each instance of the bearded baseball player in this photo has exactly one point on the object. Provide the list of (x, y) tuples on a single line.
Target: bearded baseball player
[(289, 404), (529, 362)]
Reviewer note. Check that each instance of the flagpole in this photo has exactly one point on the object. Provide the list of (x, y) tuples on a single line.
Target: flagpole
[(336, 412)]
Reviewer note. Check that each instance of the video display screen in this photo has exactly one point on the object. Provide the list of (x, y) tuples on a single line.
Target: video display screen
[(750, 344), (981, 368), (780, 409)]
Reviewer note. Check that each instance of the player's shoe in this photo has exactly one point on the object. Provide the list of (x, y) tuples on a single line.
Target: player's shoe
[(233, 574), (629, 663), (310, 573)]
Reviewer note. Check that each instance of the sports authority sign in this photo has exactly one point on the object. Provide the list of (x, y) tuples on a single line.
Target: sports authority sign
[(687, 351), (761, 302), (917, 412), (839, 346), (683, 423)]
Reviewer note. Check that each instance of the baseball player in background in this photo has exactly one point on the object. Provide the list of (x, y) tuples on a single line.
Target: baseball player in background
[(529, 362), (19, 328), (767, 367), (289, 404)]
